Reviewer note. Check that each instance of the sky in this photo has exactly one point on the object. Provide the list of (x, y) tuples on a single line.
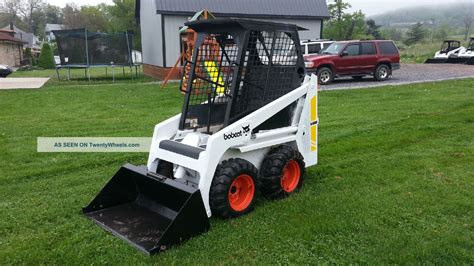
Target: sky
[(369, 7), (374, 7)]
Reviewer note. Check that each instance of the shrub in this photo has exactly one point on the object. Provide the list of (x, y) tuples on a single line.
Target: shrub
[(46, 59)]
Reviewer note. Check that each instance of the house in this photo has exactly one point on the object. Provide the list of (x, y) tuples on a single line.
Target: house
[(160, 21), (48, 31), (30, 39), (11, 49)]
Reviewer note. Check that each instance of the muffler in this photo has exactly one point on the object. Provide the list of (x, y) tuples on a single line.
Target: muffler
[(149, 211)]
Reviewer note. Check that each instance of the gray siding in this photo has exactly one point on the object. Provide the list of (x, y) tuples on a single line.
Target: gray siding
[(313, 26), (150, 24), (173, 23), (173, 50)]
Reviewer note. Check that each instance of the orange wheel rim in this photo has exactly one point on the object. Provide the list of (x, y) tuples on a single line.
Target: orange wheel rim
[(241, 192), (291, 176)]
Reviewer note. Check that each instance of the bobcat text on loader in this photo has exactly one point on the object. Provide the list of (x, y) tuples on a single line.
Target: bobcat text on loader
[(249, 122)]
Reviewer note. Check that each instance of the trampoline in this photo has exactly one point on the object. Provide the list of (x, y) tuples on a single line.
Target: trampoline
[(81, 49)]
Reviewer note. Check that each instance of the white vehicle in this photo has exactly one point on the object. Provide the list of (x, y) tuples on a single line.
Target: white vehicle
[(449, 49), (244, 127), (310, 47), (465, 55)]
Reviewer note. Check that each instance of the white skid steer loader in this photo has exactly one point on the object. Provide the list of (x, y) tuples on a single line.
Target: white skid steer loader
[(449, 49), (249, 123), (465, 55)]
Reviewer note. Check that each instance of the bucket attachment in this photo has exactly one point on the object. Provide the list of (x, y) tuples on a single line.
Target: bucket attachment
[(436, 61), (470, 61), (456, 60), (149, 211)]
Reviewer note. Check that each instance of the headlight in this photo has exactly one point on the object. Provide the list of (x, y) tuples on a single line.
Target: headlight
[(308, 64)]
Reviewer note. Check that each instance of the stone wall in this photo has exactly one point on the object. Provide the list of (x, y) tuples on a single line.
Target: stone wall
[(10, 53)]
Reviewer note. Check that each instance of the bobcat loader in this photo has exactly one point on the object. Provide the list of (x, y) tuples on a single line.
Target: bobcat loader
[(249, 123), (465, 55), (448, 49)]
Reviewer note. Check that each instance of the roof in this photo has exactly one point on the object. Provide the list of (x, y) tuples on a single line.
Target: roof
[(220, 24), (15, 29), (51, 27), (6, 36), (302, 9)]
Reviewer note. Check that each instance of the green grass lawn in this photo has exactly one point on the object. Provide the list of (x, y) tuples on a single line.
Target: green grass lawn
[(99, 75), (394, 183)]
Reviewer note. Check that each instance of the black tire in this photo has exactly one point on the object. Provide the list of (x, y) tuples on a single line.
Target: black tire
[(358, 77), (272, 171), (226, 173), (382, 72), (325, 75)]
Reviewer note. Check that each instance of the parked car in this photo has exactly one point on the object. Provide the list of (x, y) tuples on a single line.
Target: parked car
[(355, 58), (310, 47), (5, 71)]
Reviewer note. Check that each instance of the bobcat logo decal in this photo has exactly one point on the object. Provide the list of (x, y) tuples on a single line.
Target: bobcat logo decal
[(243, 132)]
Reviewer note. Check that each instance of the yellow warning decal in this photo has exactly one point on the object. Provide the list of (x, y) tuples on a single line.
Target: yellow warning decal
[(314, 123), (213, 72)]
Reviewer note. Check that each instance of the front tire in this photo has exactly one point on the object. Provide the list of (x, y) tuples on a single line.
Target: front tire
[(282, 172), (233, 188), (382, 72), (325, 75)]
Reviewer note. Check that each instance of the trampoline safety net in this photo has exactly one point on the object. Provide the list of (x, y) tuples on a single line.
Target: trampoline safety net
[(81, 47)]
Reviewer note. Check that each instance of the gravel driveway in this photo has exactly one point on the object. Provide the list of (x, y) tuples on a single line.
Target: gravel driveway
[(408, 74)]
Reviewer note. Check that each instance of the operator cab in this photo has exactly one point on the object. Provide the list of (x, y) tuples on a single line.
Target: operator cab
[(471, 45), (237, 67), (450, 45)]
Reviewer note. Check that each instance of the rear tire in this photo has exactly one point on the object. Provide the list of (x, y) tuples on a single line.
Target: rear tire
[(233, 188), (325, 75), (382, 72), (282, 172)]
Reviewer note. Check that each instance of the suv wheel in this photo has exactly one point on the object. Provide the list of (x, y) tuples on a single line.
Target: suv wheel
[(382, 73), (325, 75)]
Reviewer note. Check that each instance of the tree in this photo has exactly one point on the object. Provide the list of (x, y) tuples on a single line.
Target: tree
[(373, 29), (343, 25), (53, 14), (122, 18), (12, 10), (72, 17), (392, 34), (416, 34), (95, 18), (468, 20), (46, 59), (28, 8)]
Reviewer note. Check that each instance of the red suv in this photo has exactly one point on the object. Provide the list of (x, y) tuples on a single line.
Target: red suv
[(356, 59)]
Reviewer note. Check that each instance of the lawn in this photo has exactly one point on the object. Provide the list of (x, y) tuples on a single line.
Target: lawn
[(99, 75), (394, 183)]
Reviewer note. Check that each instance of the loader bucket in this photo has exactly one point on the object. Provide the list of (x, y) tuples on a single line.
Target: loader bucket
[(149, 211), (456, 60), (470, 61), (435, 61)]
